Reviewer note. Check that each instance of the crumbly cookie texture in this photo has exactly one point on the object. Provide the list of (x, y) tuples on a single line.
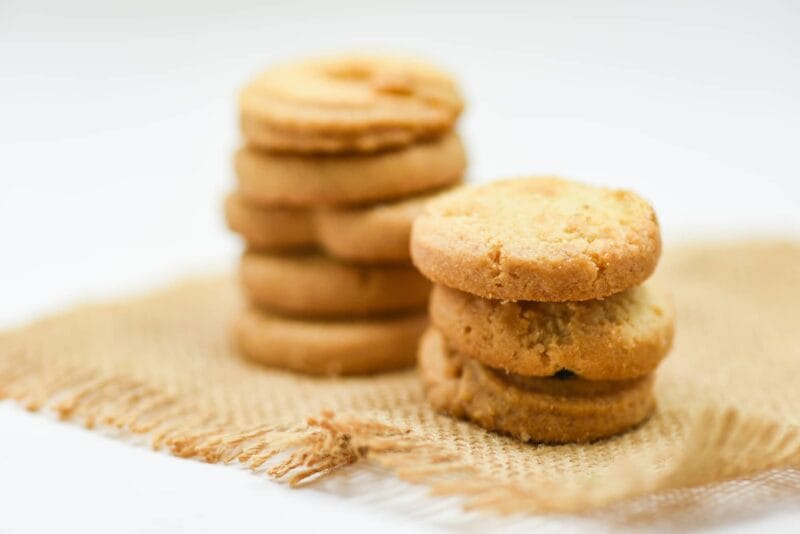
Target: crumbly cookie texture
[(541, 239), (546, 410), (347, 103), (622, 336), (327, 347), (308, 181), (314, 285), (374, 233), (269, 228)]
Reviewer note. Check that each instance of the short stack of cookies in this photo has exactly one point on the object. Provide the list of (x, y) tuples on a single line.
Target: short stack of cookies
[(543, 327), (340, 155)]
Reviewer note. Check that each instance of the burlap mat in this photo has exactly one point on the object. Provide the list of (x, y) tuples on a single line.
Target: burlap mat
[(729, 400)]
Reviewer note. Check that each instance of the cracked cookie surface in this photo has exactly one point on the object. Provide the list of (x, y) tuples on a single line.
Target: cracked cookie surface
[(622, 336), (546, 410), (540, 239)]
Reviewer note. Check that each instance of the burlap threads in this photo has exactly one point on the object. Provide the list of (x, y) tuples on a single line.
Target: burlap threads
[(162, 365)]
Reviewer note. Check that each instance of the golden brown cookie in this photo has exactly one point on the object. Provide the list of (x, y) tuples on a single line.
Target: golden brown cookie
[(312, 284), (374, 233), (622, 336), (347, 103), (542, 239), (322, 347), (269, 228), (547, 410), (304, 181)]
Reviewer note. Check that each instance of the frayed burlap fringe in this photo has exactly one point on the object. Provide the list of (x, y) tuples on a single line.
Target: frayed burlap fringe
[(160, 366)]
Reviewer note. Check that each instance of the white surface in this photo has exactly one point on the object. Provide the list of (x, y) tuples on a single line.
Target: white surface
[(116, 125)]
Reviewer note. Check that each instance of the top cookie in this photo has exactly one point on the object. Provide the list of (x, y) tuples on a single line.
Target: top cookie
[(353, 103), (540, 239)]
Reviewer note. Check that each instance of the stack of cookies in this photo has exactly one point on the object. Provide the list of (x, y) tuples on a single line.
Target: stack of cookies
[(542, 328), (340, 155)]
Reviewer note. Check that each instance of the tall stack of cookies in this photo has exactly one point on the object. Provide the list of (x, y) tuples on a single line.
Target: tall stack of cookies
[(340, 155), (542, 326)]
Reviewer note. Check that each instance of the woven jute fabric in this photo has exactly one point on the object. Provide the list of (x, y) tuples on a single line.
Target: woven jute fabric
[(163, 365)]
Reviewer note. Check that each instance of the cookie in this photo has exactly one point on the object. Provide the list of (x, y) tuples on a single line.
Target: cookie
[(374, 233), (622, 336), (542, 239), (545, 410), (312, 284), (278, 179), (269, 228), (347, 103), (329, 347)]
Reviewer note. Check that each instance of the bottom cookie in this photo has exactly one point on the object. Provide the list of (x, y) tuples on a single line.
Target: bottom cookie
[(545, 410), (341, 347)]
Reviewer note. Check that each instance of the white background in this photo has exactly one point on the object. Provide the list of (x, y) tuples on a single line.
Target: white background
[(117, 121)]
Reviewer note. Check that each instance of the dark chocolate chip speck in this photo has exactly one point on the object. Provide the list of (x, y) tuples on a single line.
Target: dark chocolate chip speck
[(564, 374)]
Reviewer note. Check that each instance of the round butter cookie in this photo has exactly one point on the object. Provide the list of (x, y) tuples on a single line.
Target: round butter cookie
[(545, 410), (306, 181), (542, 239), (351, 103), (322, 347), (622, 336), (269, 228), (312, 284), (374, 233)]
